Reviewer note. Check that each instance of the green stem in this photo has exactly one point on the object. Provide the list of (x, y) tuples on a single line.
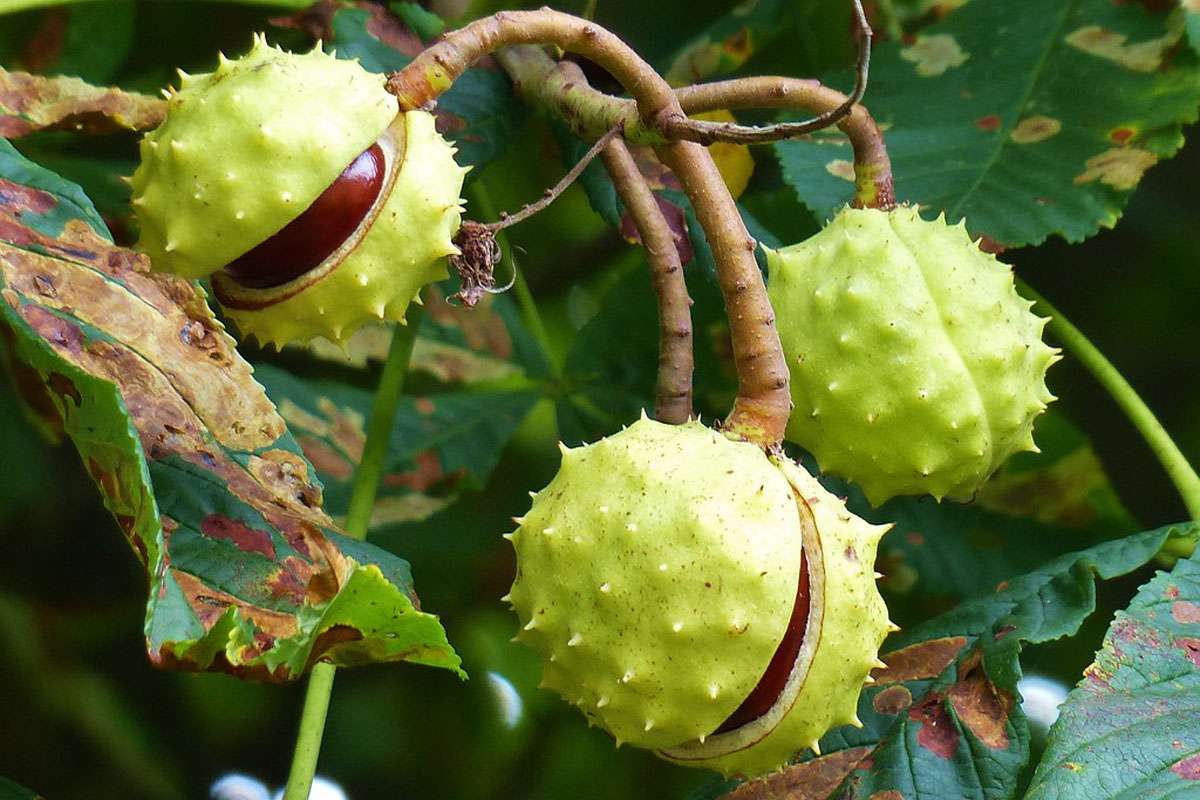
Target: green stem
[(358, 520), (1181, 473), (379, 428), (481, 199), (312, 729)]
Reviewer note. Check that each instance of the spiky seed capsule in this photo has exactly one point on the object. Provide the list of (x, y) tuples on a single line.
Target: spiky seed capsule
[(253, 147), (661, 658), (916, 367)]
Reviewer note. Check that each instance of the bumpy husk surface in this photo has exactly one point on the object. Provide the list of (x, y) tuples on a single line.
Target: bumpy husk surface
[(245, 149), (404, 249), (916, 367), (656, 577), (847, 623)]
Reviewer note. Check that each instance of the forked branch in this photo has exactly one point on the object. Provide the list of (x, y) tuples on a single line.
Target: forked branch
[(762, 406)]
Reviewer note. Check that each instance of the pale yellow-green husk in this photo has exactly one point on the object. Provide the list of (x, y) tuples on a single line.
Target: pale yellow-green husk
[(405, 249), (246, 149), (847, 624), (657, 574), (658, 570), (916, 368)]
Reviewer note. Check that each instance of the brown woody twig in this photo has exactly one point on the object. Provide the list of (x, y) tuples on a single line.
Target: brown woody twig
[(763, 403), (673, 391)]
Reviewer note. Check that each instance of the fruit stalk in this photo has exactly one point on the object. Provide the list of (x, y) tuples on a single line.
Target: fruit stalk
[(761, 409), (561, 86), (873, 181), (673, 391)]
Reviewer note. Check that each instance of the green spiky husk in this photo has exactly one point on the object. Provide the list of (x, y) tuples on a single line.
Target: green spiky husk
[(916, 367), (847, 624), (404, 249), (659, 569), (630, 642), (245, 149)]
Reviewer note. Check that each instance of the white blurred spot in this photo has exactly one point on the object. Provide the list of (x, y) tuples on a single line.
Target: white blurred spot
[(322, 789), (507, 698), (238, 787), (1040, 699)]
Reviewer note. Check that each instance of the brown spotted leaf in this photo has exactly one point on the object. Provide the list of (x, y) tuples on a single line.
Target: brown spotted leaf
[(1026, 118), (31, 103), (247, 572), (1130, 728), (943, 714)]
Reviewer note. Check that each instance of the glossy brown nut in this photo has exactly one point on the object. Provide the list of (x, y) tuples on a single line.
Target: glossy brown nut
[(305, 242), (770, 686)]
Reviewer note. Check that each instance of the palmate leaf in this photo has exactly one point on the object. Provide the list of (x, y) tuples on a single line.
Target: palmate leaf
[(1130, 728), (247, 573), (1028, 118), (943, 718)]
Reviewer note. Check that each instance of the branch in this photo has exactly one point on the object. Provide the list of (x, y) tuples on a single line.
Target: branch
[(761, 409), (673, 392), (874, 185), (562, 87), (706, 132)]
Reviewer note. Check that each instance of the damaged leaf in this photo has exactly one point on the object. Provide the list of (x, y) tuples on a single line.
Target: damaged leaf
[(247, 572), (1025, 118), (943, 714), (1137, 704), (31, 103)]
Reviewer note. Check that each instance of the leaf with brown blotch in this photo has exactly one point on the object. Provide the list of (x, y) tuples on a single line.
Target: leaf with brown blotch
[(31, 103), (248, 574), (943, 712), (1137, 703)]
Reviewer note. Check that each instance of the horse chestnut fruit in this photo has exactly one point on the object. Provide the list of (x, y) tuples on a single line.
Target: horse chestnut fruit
[(694, 596), (916, 368), (295, 184)]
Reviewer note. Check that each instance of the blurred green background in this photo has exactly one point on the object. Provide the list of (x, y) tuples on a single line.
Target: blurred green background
[(83, 714)]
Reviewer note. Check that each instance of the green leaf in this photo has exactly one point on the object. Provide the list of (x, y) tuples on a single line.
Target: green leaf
[(247, 573), (426, 24), (46, 201), (1027, 118), (1129, 729), (944, 714), (442, 444)]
